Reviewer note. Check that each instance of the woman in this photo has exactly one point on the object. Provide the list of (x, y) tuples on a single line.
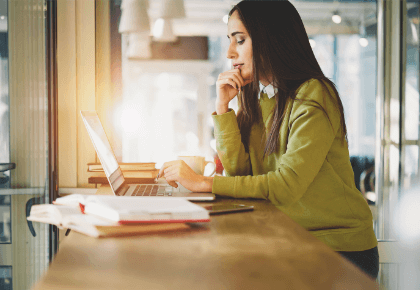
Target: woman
[(288, 142)]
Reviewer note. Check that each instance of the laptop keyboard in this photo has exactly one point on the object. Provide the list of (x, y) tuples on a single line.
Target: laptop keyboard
[(152, 190)]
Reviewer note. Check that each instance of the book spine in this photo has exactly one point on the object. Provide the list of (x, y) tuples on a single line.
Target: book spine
[(133, 174), (104, 180), (94, 167)]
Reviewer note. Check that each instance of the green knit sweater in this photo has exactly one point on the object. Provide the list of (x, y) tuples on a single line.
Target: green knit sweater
[(309, 177)]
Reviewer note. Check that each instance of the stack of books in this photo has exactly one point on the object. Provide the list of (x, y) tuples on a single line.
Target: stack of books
[(133, 172), (109, 216)]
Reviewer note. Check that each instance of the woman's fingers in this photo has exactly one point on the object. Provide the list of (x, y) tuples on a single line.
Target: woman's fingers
[(234, 76), (167, 171), (237, 73), (171, 172), (174, 171), (172, 183), (179, 172), (232, 83), (227, 80)]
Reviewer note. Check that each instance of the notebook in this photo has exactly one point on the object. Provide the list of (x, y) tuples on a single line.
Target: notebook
[(115, 176)]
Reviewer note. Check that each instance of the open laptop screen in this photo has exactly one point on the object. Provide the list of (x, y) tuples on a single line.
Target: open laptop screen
[(103, 148)]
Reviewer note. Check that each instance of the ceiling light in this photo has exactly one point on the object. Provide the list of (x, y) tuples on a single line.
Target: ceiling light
[(363, 41), (362, 32), (162, 31), (226, 18), (2, 17), (134, 17), (336, 18), (172, 9)]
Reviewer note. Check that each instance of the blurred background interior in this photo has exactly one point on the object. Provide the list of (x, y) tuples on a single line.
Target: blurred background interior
[(149, 68)]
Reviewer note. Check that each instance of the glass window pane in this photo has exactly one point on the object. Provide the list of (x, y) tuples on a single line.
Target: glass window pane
[(154, 131), (323, 47), (356, 79), (5, 220), (388, 276), (6, 278), (347, 54), (411, 165), (412, 73), (4, 90), (390, 200)]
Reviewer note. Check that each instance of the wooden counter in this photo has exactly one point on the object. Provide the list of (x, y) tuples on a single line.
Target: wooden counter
[(262, 249)]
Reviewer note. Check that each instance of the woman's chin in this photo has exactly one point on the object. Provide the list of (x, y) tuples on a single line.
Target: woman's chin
[(246, 76)]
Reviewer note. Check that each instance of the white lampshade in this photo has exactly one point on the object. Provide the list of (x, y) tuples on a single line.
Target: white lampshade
[(134, 17), (172, 9), (139, 46), (162, 31)]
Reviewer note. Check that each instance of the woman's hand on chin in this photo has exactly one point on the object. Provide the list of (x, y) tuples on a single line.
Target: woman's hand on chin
[(179, 171), (228, 85)]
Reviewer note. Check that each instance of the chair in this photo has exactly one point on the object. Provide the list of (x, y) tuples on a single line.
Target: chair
[(359, 165)]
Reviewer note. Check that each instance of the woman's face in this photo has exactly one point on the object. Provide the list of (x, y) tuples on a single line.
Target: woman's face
[(240, 47)]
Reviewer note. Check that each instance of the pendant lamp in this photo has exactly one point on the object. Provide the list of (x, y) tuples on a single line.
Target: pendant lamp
[(139, 46), (162, 31)]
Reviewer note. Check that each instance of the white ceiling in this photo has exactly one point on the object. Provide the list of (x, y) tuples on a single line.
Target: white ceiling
[(204, 17)]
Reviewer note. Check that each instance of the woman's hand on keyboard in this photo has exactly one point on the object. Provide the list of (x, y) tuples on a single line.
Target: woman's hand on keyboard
[(179, 171)]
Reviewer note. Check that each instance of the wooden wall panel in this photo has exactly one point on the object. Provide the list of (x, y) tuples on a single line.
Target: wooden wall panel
[(85, 82), (76, 88), (67, 102), (105, 103)]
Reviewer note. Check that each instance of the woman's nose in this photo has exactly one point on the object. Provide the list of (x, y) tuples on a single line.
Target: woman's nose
[(230, 52)]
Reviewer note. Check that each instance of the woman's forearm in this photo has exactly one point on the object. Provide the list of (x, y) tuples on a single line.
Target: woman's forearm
[(207, 184), (221, 108)]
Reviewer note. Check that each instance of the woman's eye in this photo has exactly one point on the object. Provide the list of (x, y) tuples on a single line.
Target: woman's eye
[(241, 42)]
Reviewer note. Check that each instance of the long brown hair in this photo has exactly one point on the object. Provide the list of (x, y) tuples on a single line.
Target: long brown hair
[(281, 49)]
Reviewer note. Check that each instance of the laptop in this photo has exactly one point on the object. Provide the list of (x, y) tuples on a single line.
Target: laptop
[(115, 175)]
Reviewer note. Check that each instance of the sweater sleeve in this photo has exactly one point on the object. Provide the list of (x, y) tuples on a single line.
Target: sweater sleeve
[(229, 145), (313, 125)]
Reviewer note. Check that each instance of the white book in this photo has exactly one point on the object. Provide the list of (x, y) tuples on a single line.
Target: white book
[(58, 215), (99, 224), (69, 217), (129, 209)]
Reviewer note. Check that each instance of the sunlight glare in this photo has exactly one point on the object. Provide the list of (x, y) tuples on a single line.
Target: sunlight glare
[(130, 120)]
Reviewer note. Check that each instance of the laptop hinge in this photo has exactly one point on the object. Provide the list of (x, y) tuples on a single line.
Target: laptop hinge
[(122, 189)]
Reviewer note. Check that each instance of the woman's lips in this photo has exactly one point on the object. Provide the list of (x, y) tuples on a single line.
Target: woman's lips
[(238, 66)]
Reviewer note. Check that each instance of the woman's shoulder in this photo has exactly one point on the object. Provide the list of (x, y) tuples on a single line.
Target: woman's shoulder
[(314, 86), (318, 90)]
